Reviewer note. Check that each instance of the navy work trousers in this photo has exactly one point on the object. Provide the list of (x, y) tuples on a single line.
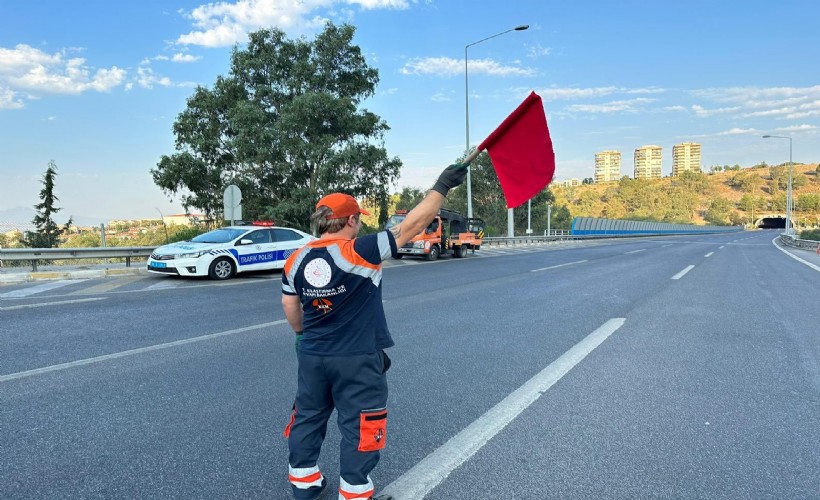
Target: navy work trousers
[(356, 386)]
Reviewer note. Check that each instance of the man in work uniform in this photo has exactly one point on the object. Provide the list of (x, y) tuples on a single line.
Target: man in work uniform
[(332, 298)]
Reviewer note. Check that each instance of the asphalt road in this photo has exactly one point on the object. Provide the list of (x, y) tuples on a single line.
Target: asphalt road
[(685, 367)]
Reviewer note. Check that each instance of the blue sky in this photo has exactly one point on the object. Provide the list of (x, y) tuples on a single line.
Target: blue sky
[(96, 85)]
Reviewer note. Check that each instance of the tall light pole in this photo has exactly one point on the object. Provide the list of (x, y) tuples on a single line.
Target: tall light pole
[(162, 218), (467, 111), (789, 200)]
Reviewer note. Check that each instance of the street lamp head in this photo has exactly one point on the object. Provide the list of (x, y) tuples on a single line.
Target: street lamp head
[(522, 27)]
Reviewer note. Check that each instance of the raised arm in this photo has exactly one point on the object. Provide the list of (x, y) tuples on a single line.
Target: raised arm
[(423, 214)]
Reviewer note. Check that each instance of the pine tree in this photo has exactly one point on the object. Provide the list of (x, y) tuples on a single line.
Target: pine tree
[(48, 232)]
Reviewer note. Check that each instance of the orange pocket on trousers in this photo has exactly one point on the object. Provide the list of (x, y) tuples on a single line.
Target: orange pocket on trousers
[(372, 429)]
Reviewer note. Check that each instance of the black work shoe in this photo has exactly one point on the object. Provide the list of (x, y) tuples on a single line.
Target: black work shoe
[(323, 491), (382, 497)]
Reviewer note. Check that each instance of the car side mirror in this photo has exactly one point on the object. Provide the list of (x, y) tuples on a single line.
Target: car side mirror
[(245, 241)]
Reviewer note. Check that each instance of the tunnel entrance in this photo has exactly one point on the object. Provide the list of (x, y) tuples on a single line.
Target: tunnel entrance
[(772, 223)]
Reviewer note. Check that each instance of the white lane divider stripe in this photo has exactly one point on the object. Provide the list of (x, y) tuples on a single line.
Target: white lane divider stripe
[(47, 304), (435, 467), (131, 352), (680, 274), (25, 292), (709, 254), (557, 266), (635, 251)]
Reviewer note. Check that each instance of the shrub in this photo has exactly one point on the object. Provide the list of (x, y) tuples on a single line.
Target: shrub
[(810, 234)]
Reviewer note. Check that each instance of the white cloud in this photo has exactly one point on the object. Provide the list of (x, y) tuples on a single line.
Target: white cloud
[(37, 72), (570, 93), (9, 100), (536, 51), (703, 112), (448, 67), (440, 97), (222, 24), (185, 58), (147, 79), (797, 128), (739, 131), (629, 105)]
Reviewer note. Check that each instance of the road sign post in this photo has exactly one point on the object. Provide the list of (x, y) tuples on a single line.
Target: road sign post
[(232, 203)]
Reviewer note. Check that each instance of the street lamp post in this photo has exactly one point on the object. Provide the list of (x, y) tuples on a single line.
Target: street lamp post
[(789, 200), (467, 110), (162, 218)]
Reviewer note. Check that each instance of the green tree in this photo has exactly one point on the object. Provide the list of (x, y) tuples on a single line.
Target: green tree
[(285, 126), (719, 211), (561, 218), (85, 239), (409, 197), (47, 232), (747, 203), (808, 202), (780, 176)]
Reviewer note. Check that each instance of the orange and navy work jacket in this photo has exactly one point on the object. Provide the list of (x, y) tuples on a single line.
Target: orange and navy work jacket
[(338, 282)]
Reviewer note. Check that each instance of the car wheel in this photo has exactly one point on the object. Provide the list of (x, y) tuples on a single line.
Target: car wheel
[(221, 269), (399, 256), (433, 255)]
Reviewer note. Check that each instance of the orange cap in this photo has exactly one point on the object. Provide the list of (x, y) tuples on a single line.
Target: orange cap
[(341, 205)]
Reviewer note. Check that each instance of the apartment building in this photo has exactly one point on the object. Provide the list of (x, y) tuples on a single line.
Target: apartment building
[(570, 182), (607, 166), (648, 162), (685, 157)]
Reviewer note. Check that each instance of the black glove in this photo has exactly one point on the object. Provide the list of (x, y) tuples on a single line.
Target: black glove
[(451, 177)]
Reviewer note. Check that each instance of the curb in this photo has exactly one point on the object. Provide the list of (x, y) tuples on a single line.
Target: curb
[(68, 275)]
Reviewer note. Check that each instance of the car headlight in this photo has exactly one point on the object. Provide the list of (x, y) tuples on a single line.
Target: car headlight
[(418, 244), (192, 255)]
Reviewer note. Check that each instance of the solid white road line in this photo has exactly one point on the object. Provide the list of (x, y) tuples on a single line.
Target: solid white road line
[(709, 254), (131, 352), (559, 265), (435, 467), (816, 268), (25, 292), (680, 274), (47, 304)]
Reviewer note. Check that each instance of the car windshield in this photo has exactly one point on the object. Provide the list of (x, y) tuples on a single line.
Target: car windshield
[(223, 235)]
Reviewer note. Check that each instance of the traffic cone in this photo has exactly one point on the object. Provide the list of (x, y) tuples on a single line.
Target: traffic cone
[(818, 249)]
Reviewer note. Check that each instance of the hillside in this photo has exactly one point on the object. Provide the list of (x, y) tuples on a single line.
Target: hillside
[(726, 197)]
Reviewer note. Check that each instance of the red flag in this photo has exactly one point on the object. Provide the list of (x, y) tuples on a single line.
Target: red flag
[(521, 152)]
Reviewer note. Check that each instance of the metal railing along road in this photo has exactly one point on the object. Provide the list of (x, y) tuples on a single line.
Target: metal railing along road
[(35, 255)]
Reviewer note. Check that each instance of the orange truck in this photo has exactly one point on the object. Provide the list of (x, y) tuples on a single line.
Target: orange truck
[(450, 232)]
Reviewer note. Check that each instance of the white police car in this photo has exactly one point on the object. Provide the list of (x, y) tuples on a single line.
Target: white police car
[(223, 252)]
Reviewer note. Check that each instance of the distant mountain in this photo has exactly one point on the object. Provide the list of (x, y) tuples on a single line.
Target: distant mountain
[(21, 217)]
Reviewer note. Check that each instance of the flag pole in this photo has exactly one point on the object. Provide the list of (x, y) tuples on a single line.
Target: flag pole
[(472, 156)]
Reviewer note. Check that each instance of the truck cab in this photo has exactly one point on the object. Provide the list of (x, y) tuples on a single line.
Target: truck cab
[(449, 233)]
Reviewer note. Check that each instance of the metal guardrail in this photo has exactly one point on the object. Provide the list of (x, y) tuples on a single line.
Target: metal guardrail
[(791, 241), (40, 254)]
